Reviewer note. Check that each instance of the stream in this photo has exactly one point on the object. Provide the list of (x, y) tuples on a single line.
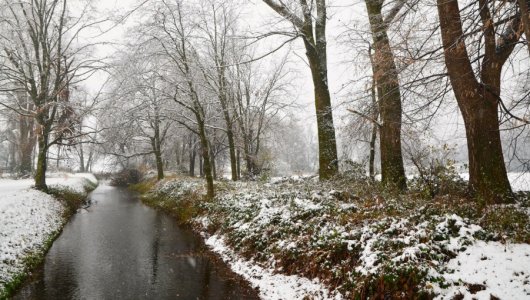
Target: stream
[(118, 248)]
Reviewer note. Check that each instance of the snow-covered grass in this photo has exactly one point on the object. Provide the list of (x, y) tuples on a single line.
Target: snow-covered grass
[(29, 220), (488, 269), (355, 240), (271, 285)]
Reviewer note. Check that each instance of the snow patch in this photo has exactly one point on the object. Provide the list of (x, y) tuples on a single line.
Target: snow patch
[(499, 270), (271, 286)]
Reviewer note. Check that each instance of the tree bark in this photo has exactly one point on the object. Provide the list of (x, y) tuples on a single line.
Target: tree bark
[(525, 20), (389, 100), (223, 99), (201, 167), (42, 163), (26, 136), (238, 164), (327, 145), (205, 150), (81, 159), (375, 117), (192, 161), (156, 142), (316, 52), (232, 152), (159, 165), (478, 101)]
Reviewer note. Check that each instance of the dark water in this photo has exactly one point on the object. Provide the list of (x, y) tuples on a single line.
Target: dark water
[(120, 249)]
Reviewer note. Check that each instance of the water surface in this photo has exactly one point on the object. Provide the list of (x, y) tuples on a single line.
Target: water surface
[(119, 248)]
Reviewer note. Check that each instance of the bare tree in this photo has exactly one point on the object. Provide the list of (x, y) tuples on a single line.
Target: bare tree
[(312, 29), (172, 31), (257, 95), (218, 24), (39, 50), (140, 101), (386, 78)]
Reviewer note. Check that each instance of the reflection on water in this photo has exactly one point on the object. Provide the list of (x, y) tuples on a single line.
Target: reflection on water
[(120, 249)]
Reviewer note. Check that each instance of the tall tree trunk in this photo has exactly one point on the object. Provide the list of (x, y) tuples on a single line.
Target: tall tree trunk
[(159, 165), (58, 158), (238, 164), (214, 167), (201, 167), (387, 79), (193, 153), (478, 101), (26, 144), (88, 166), (156, 143), (375, 117), (327, 145), (12, 161), (223, 99), (206, 161), (178, 160), (232, 152), (81, 159), (487, 171), (371, 162), (42, 163), (248, 158), (525, 20), (314, 36), (26, 158)]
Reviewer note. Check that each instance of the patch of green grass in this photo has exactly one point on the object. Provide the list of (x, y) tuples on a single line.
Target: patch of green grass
[(144, 186), (393, 284), (184, 209)]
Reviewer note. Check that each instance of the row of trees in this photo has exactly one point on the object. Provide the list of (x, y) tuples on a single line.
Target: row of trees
[(194, 84), (474, 47), (188, 75)]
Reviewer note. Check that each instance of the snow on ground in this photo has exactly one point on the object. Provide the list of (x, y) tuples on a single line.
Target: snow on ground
[(520, 181), (271, 286), (28, 218), (493, 269)]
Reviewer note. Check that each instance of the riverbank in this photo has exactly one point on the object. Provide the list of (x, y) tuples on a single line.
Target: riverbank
[(31, 220), (347, 239)]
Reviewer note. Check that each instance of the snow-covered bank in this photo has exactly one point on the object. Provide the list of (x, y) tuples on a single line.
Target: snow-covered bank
[(488, 269), (271, 285), (345, 239), (29, 219)]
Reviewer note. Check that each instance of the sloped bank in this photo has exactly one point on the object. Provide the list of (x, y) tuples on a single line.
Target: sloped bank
[(31, 220), (355, 241)]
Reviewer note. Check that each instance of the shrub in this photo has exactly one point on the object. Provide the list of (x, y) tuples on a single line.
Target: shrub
[(126, 177), (439, 179)]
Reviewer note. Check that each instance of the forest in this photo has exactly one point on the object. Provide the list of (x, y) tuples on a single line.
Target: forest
[(195, 84), (394, 134)]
